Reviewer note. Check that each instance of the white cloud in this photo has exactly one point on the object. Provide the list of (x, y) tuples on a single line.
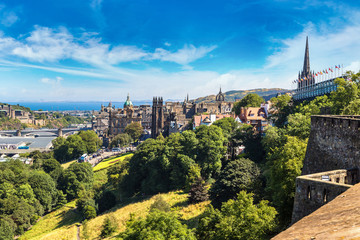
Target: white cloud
[(9, 18), (52, 45), (52, 81), (184, 56), (95, 4)]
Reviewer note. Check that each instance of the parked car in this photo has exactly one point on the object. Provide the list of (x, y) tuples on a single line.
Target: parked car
[(116, 149)]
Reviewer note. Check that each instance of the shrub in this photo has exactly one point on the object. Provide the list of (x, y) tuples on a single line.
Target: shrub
[(198, 192), (108, 228), (160, 204)]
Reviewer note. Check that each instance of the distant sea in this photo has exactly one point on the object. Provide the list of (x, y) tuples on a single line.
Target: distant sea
[(64, 106)]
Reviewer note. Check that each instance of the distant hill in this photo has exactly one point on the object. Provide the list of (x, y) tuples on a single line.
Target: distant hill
[(232, 96)]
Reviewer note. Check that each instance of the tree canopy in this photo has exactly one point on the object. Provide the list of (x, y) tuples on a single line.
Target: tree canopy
[(250, 100), (134, 130)]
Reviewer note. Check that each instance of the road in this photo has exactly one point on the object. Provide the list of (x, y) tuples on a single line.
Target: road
[(104, 155)]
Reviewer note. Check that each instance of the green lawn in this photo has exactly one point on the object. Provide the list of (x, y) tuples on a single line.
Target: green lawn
[(111, 161)]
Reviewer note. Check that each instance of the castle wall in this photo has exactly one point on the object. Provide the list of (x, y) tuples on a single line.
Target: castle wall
[(315, 190), (334, 143)]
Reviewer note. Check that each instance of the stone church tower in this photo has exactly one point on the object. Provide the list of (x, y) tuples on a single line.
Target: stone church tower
[(157, 124)]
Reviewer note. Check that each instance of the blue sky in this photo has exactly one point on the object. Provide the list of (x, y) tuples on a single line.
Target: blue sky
[(100, 50)]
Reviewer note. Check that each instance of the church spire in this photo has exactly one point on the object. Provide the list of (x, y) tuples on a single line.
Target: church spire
[(306, 69)]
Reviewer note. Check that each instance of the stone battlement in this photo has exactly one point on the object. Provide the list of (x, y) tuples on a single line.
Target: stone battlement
[(315, 190), (331, 164)]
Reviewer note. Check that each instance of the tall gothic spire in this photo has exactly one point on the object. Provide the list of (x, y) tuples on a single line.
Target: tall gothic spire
[(306, 69)]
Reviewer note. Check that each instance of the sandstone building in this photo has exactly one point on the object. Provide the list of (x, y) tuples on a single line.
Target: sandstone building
[(172, 117)]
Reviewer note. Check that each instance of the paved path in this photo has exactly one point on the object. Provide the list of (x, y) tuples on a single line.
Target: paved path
[(78, 232)]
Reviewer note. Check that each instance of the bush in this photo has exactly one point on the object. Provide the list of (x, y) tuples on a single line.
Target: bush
[(108, 228), (160, 204), (198, 192), (89, 212)]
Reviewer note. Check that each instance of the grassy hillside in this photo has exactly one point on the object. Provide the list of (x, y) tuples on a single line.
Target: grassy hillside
[(57, 225), (62, 224), (232, 96), (189, 214)]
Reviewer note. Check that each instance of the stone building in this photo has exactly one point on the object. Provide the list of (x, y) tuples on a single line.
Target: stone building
[(120, 118), (110, 121), (177, 116), (21, 115)]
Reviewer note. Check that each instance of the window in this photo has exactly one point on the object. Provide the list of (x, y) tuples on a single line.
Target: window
[(325, 196)]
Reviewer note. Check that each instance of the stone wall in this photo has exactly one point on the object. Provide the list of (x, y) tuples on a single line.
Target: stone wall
[(334, 143), (315, 190)]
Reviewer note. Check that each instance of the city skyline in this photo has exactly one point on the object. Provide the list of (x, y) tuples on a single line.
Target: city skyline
[(100, 50)]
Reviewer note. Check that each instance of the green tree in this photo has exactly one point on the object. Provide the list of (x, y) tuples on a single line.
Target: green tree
[(238, 219), (148, 169), (157, 225), (240, 174), (121, 140), (198, 191), (285, 164), (319, 105), (298, 125), (44, 189), (7, 228), (345, 93), (91, 141), (274, 138), (210, 150), (89, 212), (109, 227), (134, 130), (353, 108), (250, 100), (52, 167), (83, 172), (245, 135), (227, 125), (281, 108)]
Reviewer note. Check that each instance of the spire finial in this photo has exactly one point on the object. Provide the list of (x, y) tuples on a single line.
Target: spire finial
[(306, 68)]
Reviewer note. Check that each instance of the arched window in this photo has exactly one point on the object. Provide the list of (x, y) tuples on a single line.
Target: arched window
[(325, 196)]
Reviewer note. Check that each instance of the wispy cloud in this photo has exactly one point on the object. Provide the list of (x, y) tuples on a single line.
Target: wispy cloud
[(8, 17), (90, 49), (184, 56)]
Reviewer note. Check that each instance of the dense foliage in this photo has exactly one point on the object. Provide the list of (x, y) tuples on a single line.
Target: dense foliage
[(25, 195), (160, 165), (240, 174), (157, 225), (250, 100), (121, 140), (134, 130), (74, 146), (237, 219)]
